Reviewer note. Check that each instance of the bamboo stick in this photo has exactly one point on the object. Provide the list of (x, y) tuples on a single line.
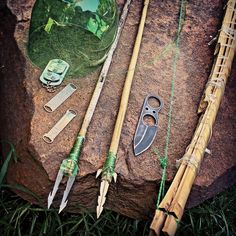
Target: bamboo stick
[(212, 97), (163, 208), (128, 83), (177, 195), (108, 171), (104, 72)]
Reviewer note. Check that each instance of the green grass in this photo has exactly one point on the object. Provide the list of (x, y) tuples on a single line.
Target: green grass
[(216, 216), (18, 217)]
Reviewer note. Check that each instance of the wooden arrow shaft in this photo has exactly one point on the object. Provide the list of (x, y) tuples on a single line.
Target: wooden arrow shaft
[(108, 168), (103, 74), (128, 83)]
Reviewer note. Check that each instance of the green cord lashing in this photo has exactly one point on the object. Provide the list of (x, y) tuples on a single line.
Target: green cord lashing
[(109, 166), (69, 166), (75, 151), (163, 162), (164, 159)]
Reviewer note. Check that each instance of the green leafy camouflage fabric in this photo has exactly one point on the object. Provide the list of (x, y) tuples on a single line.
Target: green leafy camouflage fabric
[(77, 31)]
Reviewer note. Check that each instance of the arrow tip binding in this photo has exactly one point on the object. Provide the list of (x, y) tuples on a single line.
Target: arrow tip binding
[(102, 198)]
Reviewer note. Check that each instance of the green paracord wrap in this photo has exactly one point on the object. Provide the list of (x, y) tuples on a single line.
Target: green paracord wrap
[(69, 166), (109, 166)]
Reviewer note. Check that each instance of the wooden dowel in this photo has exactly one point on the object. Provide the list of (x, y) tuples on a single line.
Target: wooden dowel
[(103, 73), (160, 216), (128, 83)]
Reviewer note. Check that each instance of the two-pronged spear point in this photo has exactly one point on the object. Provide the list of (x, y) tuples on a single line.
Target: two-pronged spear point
[(69, 168), (108, 170)]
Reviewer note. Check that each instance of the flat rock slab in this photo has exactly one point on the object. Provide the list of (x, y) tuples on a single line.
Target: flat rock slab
[(24, 120)]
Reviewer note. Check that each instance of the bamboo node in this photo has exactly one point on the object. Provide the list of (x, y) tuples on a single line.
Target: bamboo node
[(230, 32), (230, 4), (230, 45), (189, 161), (217, 82), (211, 97)]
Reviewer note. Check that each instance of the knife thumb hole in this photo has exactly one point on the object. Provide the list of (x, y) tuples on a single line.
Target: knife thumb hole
[(154, 102), (149, 120)]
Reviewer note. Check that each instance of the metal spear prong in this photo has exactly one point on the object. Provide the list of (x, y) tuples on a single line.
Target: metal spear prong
[(69, 185), (102, 198), (55, 188)]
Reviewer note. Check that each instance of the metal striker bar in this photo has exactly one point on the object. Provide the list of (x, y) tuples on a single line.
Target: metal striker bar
[(108, 171), (69, 166), (61, 97), (59, 126)]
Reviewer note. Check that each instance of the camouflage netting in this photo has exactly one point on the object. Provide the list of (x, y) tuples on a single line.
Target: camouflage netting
[(77, 31)]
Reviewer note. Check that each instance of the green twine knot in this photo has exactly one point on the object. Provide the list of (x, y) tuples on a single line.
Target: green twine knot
[(163, 162), (163, 159)]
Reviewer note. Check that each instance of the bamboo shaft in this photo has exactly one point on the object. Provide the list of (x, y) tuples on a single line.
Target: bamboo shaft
[(208, 118), (207, 122), (181, 196), (160, 216), (128, 83), (103, 74), (177, 195)]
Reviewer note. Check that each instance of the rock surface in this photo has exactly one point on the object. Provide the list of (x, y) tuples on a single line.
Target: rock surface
[(24, 121)]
